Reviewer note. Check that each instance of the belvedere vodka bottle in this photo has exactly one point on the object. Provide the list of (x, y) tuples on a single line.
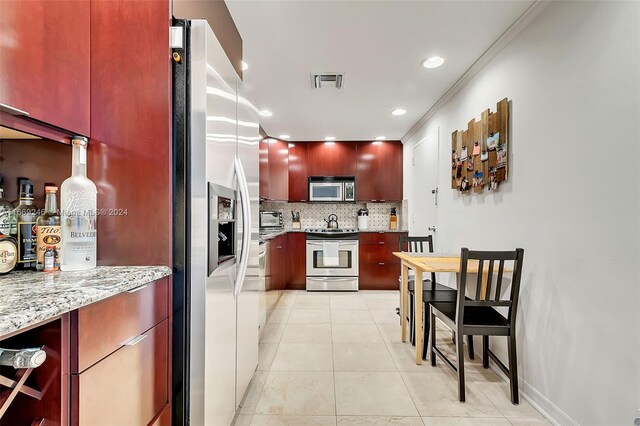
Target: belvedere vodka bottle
[(78, 204)]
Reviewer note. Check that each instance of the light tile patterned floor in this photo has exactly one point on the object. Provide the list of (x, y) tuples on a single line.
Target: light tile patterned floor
[(337, 359)]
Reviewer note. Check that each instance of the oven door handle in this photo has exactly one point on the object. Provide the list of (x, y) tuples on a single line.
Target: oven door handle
[(331, 278)]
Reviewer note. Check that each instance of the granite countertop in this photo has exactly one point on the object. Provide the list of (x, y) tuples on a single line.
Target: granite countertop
[(30, 297), (269, 235)]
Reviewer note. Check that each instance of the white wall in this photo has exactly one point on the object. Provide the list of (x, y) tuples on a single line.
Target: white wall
[(571, 201)]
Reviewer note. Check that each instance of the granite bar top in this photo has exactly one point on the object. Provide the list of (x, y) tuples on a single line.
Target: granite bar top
[(28, 297)]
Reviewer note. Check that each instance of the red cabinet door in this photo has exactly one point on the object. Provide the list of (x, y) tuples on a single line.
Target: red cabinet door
[(332, 158), (281, 272), (263, 158), (367, 171), (278, 170), (298, 173), (296, 249), (390, 171), (44, 61)]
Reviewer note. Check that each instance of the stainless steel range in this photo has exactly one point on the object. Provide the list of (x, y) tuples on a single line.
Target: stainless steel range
[(332, 259)]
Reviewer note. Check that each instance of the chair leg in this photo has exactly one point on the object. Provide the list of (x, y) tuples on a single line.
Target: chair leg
[(412, 320), (432, 326), (460, 355), (472, 355), (485, 351), (425, 335), (513, 368)]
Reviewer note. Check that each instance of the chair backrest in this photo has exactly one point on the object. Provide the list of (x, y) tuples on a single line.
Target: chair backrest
[(488, 294), (418, 245)]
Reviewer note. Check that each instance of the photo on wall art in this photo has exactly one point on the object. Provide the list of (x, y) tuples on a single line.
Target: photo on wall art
[(501, 155), (493, 140)]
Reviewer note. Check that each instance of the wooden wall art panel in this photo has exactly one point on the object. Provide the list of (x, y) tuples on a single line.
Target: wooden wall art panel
[(479, 154)]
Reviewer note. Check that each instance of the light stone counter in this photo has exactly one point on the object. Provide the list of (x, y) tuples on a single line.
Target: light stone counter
[(28, 297)]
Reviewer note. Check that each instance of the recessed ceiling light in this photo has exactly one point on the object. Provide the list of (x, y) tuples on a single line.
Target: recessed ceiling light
[(265, 113), (380, 138), (399, 111), (330, 138), (284, 136), (245, 66), (433, 62)]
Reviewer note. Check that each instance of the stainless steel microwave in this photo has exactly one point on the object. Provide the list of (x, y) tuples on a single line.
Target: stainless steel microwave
[(332, 189), (271, 219)]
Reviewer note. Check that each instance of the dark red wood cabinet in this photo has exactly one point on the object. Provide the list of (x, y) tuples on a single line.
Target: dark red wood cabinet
[(278, 170), (45, 61), (277, 269), (120, 374), (298, 172), (379, 268), (297, 258), (263, 161), (331, 158), (379, 171)]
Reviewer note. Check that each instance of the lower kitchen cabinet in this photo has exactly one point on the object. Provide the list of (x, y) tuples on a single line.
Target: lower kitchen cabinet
[(379, 268), (120, 358), (297, 257), (277, 272), (130, 386)]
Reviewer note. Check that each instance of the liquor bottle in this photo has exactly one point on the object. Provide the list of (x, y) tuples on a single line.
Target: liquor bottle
[(7, 222), (25, 215), (78, 201), (48, 229), (17, 200), (22, 358), (8, 253)]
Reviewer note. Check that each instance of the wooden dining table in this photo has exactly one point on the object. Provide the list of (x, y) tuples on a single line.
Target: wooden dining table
[(422, 263)]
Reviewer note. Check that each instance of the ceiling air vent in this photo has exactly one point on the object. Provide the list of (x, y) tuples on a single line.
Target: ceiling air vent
[(323, 80)]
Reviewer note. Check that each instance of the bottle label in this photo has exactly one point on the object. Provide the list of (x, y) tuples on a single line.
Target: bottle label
[(8, 256), (47, 236), (5, 223), (27, 242)]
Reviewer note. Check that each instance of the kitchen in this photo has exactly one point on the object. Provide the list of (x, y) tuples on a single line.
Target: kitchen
[(291, 207)]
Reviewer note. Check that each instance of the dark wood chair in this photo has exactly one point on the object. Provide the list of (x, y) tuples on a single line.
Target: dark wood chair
[(431, 291), (478, 316)]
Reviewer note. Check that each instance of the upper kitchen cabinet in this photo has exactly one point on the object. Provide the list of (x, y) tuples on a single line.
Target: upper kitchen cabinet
[(331, 159), (298, 172), (379, 171), (45, 62), (278, 170), (263, 158)]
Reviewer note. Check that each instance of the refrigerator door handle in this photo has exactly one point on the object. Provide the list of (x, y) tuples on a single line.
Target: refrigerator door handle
[(246, 225)]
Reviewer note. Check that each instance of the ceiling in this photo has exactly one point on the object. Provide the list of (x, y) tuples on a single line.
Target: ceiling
[(379, 44)]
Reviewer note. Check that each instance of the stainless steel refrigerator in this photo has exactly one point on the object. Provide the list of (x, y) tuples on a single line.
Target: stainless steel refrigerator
[(216, 193)]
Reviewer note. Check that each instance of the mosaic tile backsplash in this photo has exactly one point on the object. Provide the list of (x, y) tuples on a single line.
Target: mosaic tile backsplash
[(312, 215)]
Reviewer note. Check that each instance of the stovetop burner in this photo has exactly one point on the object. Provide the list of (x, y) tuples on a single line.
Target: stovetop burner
[(331, 231)]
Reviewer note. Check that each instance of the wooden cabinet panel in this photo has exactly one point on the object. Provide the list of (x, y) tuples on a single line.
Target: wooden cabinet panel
[(129, 387), (44, 61), (129, 314), (298, 172), (388, 237), (130, 159), (277, 269), (297, 257), (378, 252), (164, 418), (390, 171), (278, 170), (367, 178), (263, 158), (379, 171), (332, 158), (378, 276)]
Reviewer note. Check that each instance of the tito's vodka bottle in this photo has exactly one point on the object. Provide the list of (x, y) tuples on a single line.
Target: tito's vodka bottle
[(78, 204)]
